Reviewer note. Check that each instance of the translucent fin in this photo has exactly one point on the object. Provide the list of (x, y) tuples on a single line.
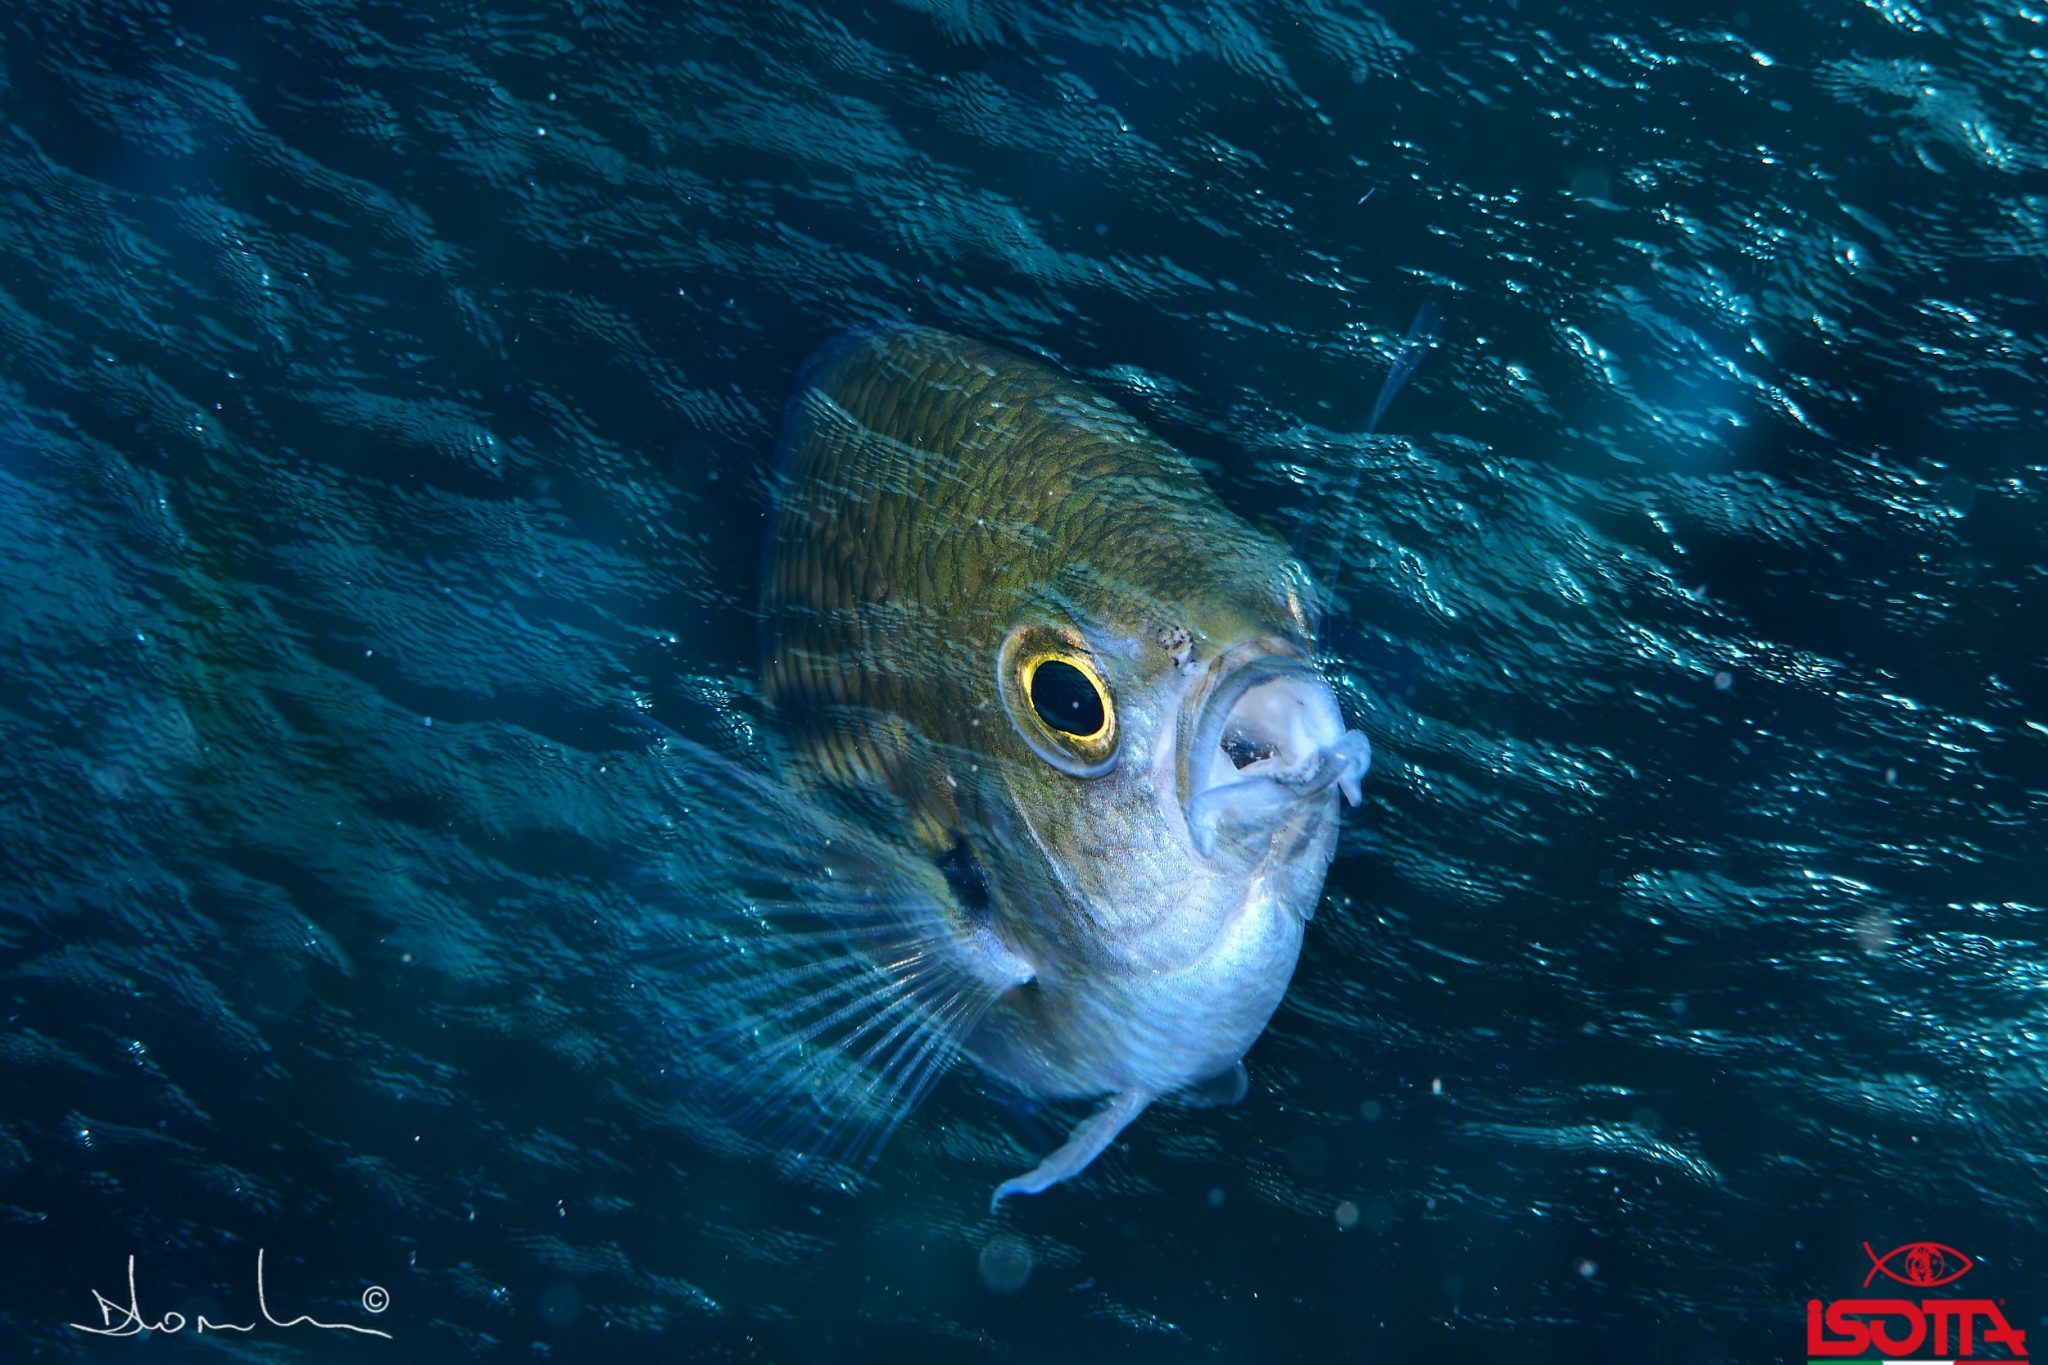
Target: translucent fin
[(1087, 1142), (1414, 346), (818, 980), (1220, 1091)]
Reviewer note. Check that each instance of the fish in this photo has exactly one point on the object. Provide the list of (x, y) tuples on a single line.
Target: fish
[(1058, 774)]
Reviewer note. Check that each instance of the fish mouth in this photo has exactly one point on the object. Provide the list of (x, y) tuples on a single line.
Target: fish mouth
[(1267, 745)]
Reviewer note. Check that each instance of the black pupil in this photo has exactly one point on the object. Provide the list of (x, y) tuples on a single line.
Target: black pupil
[(1065, 699)]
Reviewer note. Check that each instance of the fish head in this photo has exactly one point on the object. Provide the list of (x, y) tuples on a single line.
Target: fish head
[(1177, 771)]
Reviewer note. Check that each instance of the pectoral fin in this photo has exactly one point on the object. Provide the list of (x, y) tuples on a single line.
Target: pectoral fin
[(1220, 1091), (1089, 1138), (814, 979)]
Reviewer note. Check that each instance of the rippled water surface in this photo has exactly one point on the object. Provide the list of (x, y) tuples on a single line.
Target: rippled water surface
[(386, 400)]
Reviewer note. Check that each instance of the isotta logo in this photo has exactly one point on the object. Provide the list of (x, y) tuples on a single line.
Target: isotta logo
[(1945, 1329), (1924, 1265)]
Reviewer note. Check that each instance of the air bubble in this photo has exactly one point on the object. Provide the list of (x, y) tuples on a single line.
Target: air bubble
[(1005, 1263)]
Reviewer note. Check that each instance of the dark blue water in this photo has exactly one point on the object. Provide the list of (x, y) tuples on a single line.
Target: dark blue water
[(386, 394)]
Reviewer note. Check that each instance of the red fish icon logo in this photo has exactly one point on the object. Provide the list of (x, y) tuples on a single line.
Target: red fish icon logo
[(1911, 1331), (1923, 1265)]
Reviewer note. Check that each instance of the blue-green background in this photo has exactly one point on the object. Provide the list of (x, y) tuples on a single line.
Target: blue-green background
[(386, 392)]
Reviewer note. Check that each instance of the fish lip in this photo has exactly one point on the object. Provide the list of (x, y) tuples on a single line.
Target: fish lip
[(1208, 712)]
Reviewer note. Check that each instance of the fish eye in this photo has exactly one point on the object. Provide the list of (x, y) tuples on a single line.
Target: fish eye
[(1066, 698), (1057, 699)]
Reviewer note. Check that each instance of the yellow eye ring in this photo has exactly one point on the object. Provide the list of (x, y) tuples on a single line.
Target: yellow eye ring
[(1058, 700), (1066, 693)]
